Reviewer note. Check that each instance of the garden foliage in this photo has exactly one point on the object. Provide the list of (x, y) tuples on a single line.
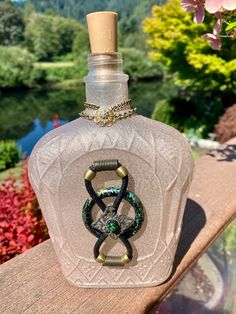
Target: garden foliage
[(224, 13), (81, 43), (206, 79), (63, 73), (138, 66), (21, 222), (176, 41), (47, 36), (9, 154), (11, 24), (17, 68)]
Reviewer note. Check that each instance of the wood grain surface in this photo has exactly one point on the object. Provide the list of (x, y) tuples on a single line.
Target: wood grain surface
[(33, 282)]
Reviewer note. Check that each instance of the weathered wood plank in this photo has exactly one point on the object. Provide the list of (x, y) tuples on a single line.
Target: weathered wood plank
[(33, 282)]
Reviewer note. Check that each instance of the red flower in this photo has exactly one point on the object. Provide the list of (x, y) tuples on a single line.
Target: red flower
[(21, 222)]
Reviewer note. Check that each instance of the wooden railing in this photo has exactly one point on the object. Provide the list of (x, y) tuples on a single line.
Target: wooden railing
[(33, 282)]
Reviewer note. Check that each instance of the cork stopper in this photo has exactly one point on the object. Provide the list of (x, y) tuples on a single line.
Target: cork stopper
[(102, 27)]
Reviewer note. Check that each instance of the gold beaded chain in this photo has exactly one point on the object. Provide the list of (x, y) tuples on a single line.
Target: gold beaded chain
[(106, 116)]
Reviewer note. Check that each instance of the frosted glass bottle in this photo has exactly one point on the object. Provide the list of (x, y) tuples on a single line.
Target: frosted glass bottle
[(160, 167)]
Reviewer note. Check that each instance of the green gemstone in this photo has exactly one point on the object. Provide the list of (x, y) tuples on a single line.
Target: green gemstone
[(112, 226)]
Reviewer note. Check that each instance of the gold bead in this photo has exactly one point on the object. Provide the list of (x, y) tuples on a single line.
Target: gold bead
[(125, 259), (89, 175), (113, 261), (101, 258), (122, 171)]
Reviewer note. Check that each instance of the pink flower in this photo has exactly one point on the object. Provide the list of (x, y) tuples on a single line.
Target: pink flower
[(217, 27), (196, 6), (212, 6), (214, 40)]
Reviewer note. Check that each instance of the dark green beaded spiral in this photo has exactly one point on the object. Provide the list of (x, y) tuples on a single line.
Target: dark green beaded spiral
[(109, 192)]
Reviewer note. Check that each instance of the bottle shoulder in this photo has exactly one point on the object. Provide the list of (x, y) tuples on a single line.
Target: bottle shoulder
[(137, 135), (136, 126)]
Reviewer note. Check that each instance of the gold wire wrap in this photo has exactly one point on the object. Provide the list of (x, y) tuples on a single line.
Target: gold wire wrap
[(107, 116), (89, 175), (101, 258), (112, 260), (122, 171), (107, 165)]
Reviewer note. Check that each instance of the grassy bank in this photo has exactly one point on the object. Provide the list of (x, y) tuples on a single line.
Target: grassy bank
[(60, 74), (15, 171), (50, 65)]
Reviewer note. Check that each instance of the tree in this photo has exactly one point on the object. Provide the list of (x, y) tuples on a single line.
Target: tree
[(177, 42), (138, 66), (29, 9), (205, 78), (48, 36), (81, 43), (17, 68), (11, 24), (66, 29), (131, 13)]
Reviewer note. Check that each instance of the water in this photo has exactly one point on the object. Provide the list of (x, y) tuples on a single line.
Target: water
[(27, 115)]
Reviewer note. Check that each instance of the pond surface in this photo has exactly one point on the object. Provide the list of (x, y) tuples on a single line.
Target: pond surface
[(26, 116)]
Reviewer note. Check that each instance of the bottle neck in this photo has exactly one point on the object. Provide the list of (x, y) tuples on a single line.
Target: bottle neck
[(106, 84)]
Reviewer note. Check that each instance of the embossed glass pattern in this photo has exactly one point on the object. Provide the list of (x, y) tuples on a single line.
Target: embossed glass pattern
[(160, 167)]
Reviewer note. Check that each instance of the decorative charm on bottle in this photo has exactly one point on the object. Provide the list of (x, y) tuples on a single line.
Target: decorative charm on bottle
[(110, 223)]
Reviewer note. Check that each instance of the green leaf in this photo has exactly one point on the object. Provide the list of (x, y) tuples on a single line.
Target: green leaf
[(230, 26)]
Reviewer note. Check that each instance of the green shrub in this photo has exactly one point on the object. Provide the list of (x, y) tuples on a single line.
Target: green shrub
[(81, 43), (9, 154), (11, 24), (49, 36), (64, 58), (177, 42), (17, 68), (205, 78), (185, 115), (81, 63), (60, 74), (164, 112), (138, 66)]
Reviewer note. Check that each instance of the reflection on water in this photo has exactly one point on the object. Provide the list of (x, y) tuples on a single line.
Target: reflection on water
[(28, 141), (27, 116)]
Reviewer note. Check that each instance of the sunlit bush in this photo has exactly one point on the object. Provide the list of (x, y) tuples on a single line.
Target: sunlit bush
[(205, 78), (164, 111), (176, 41), (60, 74), (11, 24), (17, 68), (49, 36), (137, 65), (9, 154)]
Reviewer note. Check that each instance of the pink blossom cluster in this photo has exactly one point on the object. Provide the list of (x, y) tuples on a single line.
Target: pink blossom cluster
[(21, 222), (215, 7)]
